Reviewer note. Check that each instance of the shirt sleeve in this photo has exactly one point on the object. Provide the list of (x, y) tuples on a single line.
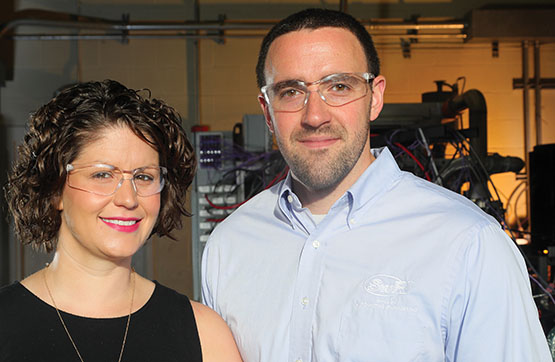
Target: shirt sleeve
[(209, 276), (490, 313)]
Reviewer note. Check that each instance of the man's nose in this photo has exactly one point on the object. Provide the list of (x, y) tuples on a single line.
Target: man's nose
[(316, 110)]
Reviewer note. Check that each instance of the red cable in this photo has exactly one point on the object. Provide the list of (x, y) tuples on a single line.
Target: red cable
[(411, 155), (216, 220), (280, 176)]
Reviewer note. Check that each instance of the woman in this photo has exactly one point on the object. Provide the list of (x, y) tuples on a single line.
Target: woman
[(100, 170)]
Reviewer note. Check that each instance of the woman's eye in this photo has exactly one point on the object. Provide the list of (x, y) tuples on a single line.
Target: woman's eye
[(101, 175), (144, 178)]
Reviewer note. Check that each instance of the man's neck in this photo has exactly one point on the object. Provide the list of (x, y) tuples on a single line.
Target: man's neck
[(320, 201)]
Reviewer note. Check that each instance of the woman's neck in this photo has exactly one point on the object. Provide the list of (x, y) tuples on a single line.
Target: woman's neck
[(92, 290)]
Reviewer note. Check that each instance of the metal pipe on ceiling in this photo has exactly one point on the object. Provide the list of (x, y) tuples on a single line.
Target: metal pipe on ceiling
[(212, 26), (47, 19), (208, 36)]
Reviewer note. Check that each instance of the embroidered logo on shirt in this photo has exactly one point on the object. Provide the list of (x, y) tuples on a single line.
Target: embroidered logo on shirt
[(384, 285)]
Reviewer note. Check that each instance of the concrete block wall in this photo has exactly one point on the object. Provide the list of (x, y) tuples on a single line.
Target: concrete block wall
[(228, 82)]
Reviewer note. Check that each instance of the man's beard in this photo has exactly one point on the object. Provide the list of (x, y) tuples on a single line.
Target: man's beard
[(323, 169)]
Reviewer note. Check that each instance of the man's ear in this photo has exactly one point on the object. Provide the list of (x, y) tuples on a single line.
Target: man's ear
[(378, 89), (266, 110)]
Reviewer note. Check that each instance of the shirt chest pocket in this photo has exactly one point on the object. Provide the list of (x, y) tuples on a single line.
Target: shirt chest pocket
[(380, 330)]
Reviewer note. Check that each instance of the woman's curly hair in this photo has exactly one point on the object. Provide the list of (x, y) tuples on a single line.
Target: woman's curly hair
[(59, 130)]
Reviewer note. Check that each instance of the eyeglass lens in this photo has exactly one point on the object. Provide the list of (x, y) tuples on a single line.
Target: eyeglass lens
[(105, 180), (335, 90)]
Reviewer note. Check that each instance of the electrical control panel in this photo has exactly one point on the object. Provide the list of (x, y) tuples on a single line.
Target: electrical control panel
[(232, 167)]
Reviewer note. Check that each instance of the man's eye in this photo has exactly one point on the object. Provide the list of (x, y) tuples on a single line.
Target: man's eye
[(340, 87), (290, 93)]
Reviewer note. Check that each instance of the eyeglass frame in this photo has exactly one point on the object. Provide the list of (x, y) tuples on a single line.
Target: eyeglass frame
[(367, 76), (164, 171)]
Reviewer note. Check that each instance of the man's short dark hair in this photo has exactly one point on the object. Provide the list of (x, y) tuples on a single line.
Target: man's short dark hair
[(314, 19)]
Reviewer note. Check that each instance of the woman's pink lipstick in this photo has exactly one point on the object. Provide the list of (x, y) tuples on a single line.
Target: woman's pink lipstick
[(124, 224)]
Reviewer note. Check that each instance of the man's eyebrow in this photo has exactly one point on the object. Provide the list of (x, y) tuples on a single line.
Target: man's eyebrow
[(286, 83)]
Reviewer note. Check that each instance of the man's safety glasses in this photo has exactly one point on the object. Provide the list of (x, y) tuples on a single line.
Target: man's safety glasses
[(334, 89)]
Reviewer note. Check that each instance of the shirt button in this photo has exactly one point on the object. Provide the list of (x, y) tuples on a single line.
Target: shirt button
[(353, 221), (316, 244), (298, 360), (290, 198), (304, 301)]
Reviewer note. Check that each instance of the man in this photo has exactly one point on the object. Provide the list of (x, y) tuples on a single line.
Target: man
[(349, 258)]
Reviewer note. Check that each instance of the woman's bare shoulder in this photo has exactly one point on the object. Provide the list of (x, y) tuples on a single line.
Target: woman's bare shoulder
[(215, 337)]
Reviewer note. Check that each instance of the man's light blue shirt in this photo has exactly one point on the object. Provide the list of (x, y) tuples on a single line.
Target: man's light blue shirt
[(399, 269)]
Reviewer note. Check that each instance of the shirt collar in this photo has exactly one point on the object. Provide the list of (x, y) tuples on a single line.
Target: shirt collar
[(287, 200), (375, 180)]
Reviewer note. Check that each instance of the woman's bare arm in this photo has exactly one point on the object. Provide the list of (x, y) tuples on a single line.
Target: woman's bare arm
[(216, 339)]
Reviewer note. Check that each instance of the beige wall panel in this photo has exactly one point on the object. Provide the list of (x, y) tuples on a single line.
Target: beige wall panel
[(223, 113), (181, 105), (228, 82), (89, 53), (37, 55), (113, 53), (505, 106), (548, 59), (162, 82), (159, 65), (27, 54), (55, 53), (172, 260), (505, 135), (219, 61), (170, 52), (224, 81), (120, 74)]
